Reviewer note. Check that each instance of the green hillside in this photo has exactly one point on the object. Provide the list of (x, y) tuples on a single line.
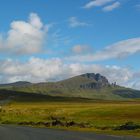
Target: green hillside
[(90, 85)]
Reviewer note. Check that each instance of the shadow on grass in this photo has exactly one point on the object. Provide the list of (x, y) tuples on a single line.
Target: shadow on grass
[(19, 96)]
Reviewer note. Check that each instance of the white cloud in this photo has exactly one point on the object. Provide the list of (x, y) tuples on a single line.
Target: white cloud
[(24, 37), (95, 3), (34, 70), (40, 70), (35, 21), (111, 7), (58, 39), (80, 49), (74, 22), (134, 82), (116, 51)]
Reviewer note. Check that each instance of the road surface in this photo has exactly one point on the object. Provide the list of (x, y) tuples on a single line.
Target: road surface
[(28, 133)]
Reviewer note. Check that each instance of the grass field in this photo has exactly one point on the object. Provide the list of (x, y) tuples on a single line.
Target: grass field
[(99, 116)]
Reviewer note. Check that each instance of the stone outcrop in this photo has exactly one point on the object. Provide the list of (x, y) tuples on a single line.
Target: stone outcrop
[(97, 81)]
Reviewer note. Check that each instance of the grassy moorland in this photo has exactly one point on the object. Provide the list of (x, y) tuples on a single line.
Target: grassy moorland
[(112, 117)]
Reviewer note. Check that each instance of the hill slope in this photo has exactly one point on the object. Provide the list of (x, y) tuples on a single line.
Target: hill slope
[(16, 84), (90, 85)]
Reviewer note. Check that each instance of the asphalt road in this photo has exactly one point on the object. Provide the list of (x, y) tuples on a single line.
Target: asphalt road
[(27, 133)]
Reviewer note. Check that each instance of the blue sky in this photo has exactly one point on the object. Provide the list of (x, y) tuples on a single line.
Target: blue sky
[(60, 39)]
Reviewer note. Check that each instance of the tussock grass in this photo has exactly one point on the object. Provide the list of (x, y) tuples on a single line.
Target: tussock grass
[(99, 116)]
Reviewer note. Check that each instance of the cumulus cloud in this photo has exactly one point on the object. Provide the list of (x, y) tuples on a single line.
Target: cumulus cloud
[(74, 22), (24, 37), (116, 51), (111, 7), (96, 3), (34, 70), (41, 70)]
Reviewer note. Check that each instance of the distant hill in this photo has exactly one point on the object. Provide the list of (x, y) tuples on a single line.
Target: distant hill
[(89, 85), (16, 84)]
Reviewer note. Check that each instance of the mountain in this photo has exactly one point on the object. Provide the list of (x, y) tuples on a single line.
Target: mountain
[(89, 85), (87, 81), (16, 84)]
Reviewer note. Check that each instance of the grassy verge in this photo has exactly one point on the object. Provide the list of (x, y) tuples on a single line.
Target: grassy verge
[(103, 117)]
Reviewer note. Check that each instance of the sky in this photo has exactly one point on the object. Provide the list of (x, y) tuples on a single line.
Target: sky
[(51, 40)]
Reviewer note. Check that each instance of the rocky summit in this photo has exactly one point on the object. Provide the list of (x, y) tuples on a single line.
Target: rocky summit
[(96, 81)]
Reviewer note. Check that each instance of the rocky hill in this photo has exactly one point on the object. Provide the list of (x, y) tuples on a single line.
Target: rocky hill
[(89, 85), (97, 81)]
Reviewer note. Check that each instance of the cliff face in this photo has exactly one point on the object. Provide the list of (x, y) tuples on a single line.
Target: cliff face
[(96, 81)]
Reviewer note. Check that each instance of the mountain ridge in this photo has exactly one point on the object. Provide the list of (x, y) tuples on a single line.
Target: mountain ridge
[(88, 85), (18, 83)]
